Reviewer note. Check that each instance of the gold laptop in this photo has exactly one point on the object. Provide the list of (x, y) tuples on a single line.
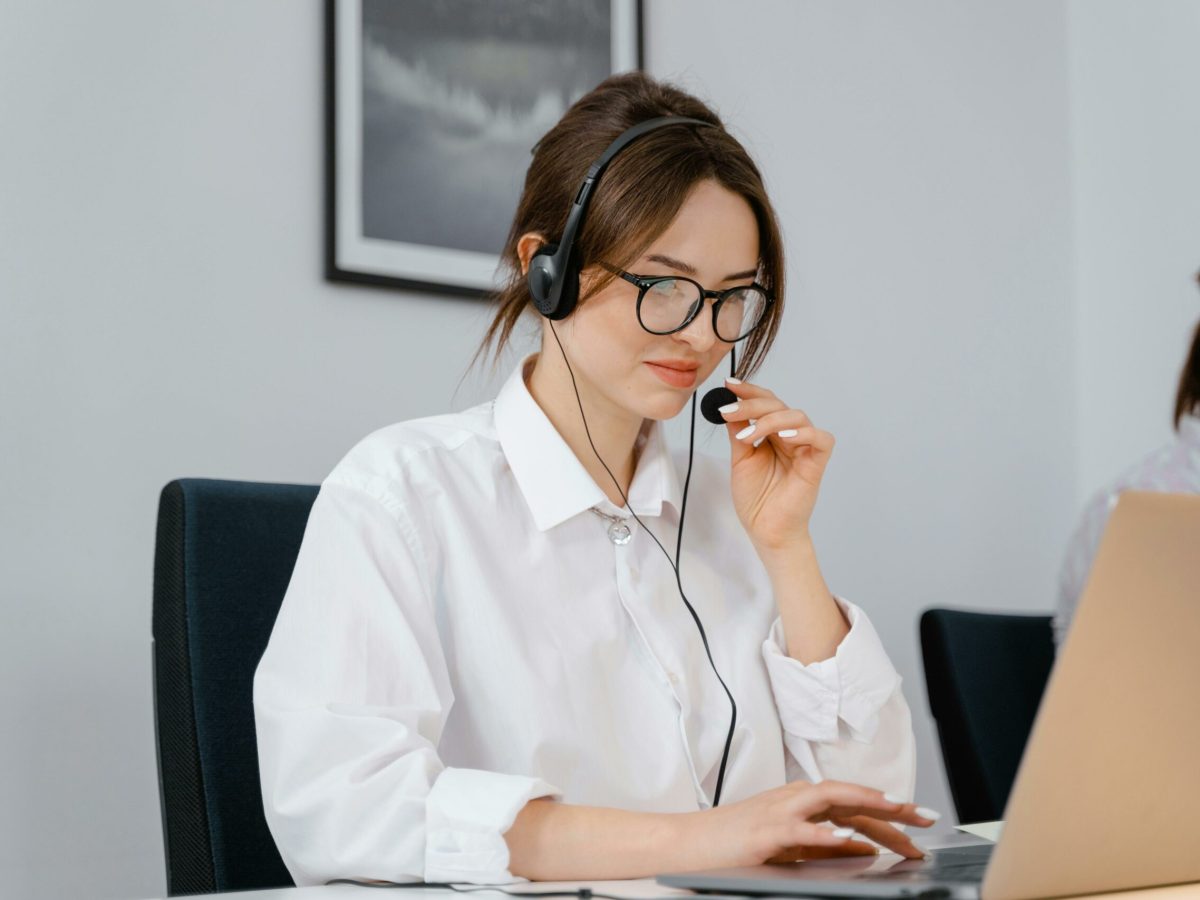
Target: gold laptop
[(1107, 796)]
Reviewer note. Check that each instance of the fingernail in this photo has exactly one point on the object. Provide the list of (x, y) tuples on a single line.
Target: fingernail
[(926, 813), (732, 380), (788, 432), (759, 441), (727, 408), (892, 798), (925, 853), (745, 432), (843, 832)]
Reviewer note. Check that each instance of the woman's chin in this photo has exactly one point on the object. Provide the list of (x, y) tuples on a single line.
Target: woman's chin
[(666, 405)]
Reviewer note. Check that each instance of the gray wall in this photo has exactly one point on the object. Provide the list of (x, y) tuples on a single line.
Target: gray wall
[(941, 170), (1134, 73)]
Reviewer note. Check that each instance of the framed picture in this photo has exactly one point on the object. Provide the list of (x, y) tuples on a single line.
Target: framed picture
[(432, 109)]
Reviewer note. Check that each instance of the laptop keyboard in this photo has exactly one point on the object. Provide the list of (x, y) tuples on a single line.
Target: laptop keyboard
[(951, 864)]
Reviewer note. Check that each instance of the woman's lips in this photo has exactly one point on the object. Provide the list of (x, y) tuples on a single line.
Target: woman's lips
[(681, 378)]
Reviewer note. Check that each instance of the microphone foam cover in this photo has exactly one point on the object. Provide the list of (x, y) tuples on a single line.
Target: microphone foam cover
[(713, 400)]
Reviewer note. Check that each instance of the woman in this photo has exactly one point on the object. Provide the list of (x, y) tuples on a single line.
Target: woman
[(483, 669)]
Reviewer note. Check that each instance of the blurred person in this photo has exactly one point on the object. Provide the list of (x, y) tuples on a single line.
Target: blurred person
[(1173, 468)]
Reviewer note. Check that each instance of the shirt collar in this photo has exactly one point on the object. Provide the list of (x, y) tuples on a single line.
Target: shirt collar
[(553, 481)]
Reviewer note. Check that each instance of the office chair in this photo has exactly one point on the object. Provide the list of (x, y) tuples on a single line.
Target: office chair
[(223, 557), (985, 674)]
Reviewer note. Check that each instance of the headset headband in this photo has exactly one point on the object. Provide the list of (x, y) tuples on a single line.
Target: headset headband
[(553, 272)]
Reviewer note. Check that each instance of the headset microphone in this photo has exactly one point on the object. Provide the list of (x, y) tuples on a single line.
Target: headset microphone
[(710, 406)]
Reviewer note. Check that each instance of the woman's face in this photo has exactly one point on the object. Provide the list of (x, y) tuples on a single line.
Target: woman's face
[(713, 240)]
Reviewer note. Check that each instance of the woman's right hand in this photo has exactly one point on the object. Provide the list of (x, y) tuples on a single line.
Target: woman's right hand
[(784, 825)]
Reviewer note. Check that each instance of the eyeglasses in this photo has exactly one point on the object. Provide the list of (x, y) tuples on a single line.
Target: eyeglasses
[(669, 303)]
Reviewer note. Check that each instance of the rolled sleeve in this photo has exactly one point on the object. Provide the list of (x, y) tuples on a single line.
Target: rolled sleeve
[(466, 814), (850, 687), (350, 699)]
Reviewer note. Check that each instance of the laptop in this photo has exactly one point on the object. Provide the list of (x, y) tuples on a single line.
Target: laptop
[(1108, 789)]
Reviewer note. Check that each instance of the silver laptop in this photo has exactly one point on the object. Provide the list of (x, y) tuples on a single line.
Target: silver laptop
[(1110, 782)]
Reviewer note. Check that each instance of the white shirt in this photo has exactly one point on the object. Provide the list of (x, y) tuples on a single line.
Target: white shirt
[(461, 636)]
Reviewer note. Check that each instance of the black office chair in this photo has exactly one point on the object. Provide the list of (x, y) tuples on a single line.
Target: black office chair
[(985, 674), (223, 558)]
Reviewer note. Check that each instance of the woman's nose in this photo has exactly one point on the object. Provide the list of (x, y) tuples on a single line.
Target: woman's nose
[(699, 334)]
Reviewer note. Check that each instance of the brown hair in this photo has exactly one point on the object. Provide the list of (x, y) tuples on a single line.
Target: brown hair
[(638, 196), (1187, 398)]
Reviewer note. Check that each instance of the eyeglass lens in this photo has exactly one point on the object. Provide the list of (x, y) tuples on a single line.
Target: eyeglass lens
[(666, 305)]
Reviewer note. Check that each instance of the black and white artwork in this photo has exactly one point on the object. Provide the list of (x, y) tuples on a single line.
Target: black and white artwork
[(433, 108)]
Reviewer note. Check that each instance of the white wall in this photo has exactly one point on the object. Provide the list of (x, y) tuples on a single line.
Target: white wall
[(163, 315), (1136, 141)]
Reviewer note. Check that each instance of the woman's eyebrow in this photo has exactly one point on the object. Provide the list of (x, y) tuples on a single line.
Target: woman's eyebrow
[(691, 270)]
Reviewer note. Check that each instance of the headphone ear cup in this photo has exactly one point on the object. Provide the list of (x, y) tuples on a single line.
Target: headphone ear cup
[(541, 276)]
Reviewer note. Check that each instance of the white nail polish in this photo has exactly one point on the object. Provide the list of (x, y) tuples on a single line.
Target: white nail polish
[(727, 408), (892, 798), (745, 432), (843, 832), (926, 813), (788, 432), (732, 380), (759, 441)]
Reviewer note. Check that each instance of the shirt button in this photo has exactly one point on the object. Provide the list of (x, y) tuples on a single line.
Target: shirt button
[(673, 678)]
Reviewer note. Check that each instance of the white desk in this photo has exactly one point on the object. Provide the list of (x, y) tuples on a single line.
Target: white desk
[(636, 888), (632, 889)]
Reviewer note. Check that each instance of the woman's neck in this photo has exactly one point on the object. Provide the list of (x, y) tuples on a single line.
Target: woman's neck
[(614, 431)]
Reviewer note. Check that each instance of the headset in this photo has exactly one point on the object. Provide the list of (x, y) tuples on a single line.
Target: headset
[(553, 276), (554, 268)]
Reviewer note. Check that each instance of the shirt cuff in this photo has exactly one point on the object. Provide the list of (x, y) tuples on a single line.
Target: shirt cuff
[(851, 686), (466, 814)]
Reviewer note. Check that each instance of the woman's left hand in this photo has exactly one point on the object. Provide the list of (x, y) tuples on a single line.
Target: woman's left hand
[(777, 465)]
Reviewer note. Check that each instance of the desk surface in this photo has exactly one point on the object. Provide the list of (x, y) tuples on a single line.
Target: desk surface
[(635, 889)]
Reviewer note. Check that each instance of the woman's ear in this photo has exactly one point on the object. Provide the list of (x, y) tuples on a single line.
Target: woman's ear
[(527, 246)]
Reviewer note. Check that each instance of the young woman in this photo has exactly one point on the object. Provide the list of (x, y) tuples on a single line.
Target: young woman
[(485, 669)]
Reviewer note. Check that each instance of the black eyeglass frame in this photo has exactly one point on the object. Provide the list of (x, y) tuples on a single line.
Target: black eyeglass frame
[(645, 282)]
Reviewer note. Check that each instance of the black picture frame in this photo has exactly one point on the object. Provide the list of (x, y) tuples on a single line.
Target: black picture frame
[(364, 246)]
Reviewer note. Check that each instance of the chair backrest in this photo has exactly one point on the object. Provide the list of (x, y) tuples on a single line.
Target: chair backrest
[(223, 558), (985, 674)]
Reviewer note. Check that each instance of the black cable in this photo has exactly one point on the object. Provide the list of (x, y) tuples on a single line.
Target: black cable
[(674, 564), (686, 483)]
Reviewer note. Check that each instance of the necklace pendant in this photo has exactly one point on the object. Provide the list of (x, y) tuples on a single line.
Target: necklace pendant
[(619, 533)]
